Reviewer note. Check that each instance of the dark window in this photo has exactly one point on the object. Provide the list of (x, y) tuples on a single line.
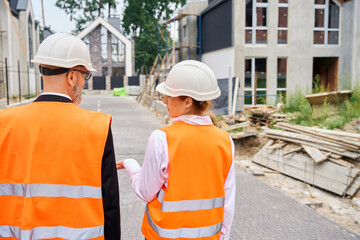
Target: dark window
[(327, 22), (282, 22), (30, 37), (249, 13), (216, 27), (118, 71), (256, 22), (104, 44), (105, 71), (281, 73)]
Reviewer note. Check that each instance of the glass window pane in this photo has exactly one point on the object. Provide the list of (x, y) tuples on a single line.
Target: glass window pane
[(262, 1), (282, 37), (261, 17), (319, 1), (334, 15), (283, 17), (118, 71), (319, 18), (261, 36), (248, 36), (281, 78), (333, 37), (121, 51), (114, 55), (249, 13), (283, 1), (105, 71), (260, 72), (248, 73), (260, 97), (319, 37), (104, 44), (261, 81), (248, 98)]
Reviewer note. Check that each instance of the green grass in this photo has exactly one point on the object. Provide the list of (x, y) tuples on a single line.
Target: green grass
[(328, 116)]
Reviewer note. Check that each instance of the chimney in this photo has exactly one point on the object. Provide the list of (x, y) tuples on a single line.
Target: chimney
[(114, 20)]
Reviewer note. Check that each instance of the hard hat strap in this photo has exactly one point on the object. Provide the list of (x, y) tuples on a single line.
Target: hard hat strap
[(49, 71)]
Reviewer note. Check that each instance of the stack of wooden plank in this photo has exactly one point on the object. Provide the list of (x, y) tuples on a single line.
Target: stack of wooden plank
[(264, 115), (324, 158)]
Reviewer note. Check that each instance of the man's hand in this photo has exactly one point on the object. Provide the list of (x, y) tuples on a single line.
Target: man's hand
[(120, 165)]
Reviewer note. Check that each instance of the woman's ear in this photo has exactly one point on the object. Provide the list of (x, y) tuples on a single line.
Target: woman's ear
[(188, 102)]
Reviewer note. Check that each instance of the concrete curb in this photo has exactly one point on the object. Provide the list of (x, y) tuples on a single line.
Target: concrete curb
[(2, 104)]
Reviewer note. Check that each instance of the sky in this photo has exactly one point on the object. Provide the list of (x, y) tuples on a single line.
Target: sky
[(55, 17)]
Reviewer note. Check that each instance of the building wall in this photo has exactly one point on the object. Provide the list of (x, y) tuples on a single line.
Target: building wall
[(191, 7), (300, 50), (12, 49), (347, 43), (95, 52), (356, 45), (225, 57)]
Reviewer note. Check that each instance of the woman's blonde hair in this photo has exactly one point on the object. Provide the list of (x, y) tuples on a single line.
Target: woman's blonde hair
[(201, 108)]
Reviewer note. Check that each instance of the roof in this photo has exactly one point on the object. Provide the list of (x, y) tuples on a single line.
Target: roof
[(22, 5), (17, 5), (108, 26)]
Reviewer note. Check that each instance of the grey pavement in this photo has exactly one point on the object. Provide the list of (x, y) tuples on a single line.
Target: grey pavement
[(261, 211)]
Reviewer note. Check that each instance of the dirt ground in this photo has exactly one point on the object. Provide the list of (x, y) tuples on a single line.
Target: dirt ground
[(353, 126), (341, 210)]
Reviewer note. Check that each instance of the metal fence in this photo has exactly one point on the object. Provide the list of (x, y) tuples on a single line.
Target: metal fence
[(116, 82), (99, 83), (24, 80)]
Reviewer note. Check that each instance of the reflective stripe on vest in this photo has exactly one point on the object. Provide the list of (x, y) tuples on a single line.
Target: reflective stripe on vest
[(189, 205), (52, 232), (183, 232), (49, 190)]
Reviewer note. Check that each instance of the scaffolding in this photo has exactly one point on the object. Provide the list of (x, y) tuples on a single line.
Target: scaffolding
[(166, 54)]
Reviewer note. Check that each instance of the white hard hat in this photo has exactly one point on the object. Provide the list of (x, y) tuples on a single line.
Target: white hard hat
[(190, 78), (65, 51)]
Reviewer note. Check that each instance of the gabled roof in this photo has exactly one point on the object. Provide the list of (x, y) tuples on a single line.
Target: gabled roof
[(108, 26)]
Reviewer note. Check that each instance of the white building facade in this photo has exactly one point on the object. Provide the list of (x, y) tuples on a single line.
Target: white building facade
[(276, 47), (19, 41)]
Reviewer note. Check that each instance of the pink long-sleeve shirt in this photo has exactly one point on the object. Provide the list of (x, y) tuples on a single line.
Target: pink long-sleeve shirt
[(154, 173)]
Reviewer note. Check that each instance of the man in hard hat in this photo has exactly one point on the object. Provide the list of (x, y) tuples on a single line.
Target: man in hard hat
[(46, 189)]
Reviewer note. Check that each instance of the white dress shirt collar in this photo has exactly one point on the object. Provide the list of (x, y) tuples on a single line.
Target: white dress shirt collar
[(194, 119), (57, 94)]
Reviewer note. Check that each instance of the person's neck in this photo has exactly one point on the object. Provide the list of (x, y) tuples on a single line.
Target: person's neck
[(55, 89)]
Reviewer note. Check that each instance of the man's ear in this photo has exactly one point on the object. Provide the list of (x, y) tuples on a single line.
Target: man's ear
[(70, 79)]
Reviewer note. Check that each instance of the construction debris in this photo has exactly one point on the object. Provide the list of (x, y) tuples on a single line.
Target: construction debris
[(322, 158), (265, 115)]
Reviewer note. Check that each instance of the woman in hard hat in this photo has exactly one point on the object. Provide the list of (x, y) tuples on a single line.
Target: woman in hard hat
[(187, 177)]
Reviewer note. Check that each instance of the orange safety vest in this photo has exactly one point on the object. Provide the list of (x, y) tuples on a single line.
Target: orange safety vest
[(192, 206), (50, 171)]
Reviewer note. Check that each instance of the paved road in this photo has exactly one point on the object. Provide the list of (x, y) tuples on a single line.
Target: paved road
[(262, 212)]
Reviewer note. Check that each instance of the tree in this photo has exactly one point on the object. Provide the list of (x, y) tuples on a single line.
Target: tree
[(139, 22), (83, 12)]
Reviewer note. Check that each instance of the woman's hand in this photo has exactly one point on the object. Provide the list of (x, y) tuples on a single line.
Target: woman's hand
[(120, 165)]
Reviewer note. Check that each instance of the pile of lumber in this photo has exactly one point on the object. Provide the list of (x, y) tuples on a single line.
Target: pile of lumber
[(265, 115), (229, 120), (237, 126), (324, 158)]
